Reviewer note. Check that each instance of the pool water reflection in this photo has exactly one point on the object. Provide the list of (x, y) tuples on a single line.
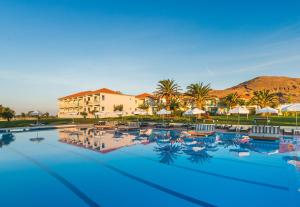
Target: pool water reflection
[(88, 167)]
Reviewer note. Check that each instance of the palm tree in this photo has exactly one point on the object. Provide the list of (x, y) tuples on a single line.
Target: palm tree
[(264, 98), (175, 104), (167, 89), (231, 100), (198, 94)]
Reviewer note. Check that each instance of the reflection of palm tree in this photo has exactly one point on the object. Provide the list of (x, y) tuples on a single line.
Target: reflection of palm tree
[(6, 139), (168, 153), (230, 142), (198, 157)]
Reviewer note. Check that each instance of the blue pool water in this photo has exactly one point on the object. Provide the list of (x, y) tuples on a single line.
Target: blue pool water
[(85, 168)]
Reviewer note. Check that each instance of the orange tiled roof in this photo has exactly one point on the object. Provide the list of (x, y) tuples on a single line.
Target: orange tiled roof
[(84, 93), (106, 90), (144, 95)]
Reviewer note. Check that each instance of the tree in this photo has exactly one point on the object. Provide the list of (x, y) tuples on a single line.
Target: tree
[(144, 106), (174, 104), (84, 114), (29, 113), (159, 105), (46, 115), (7, 113), (231, 100), (167, 89), (118, 107), (264, 98), (198, 94)]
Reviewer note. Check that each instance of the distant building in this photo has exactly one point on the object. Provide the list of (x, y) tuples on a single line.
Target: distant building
[(103, 100), (146, 99)]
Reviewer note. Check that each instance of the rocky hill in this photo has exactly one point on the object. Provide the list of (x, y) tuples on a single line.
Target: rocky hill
[(286, 87)]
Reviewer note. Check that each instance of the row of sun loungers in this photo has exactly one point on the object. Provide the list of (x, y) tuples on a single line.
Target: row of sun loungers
[(266, 132), (205, 127), (203, 130)]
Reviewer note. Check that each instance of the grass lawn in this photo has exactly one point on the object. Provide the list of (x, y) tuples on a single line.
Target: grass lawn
[(274, 120)]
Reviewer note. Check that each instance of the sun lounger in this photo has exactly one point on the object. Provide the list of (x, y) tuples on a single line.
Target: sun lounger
[(232, 129), (265, 132), (203, 130), (130, 126), (296, 132), (244, 129), (288, 131), (104, 125)]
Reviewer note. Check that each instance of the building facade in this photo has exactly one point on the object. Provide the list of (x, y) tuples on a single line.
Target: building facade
[(104, 101), (146, 102)]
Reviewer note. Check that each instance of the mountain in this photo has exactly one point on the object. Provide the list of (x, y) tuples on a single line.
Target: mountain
[(286, 87)]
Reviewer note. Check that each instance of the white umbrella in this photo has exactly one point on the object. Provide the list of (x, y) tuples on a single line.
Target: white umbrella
[(194, 111), (239, 110), (99, 113), (197, 111), (119, 112), (188, 112), (293, 108), (267, 110), (140, 112), (73, 114), (35, 113), (163, 112)]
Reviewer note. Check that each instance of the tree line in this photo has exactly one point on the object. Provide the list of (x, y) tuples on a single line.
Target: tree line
[(7, 113), (197, 94)]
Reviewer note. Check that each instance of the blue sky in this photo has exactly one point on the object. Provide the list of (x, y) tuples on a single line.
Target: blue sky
[(52, 48)]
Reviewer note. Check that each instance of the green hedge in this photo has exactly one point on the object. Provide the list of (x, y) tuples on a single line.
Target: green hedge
[(274, 120)]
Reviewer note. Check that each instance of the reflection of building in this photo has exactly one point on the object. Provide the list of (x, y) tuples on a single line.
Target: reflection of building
[(96, 140), (102, 100)]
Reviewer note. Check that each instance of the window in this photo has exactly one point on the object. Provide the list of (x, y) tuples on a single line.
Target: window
[(102, 108), (103, 97)]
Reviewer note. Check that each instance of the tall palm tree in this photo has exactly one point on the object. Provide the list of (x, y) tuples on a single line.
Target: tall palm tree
[(167, 89), (264, 98), (231, 100), (198, 93)]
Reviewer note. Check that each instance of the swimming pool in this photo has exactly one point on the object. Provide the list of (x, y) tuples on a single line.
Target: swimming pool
[(87, 168)]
